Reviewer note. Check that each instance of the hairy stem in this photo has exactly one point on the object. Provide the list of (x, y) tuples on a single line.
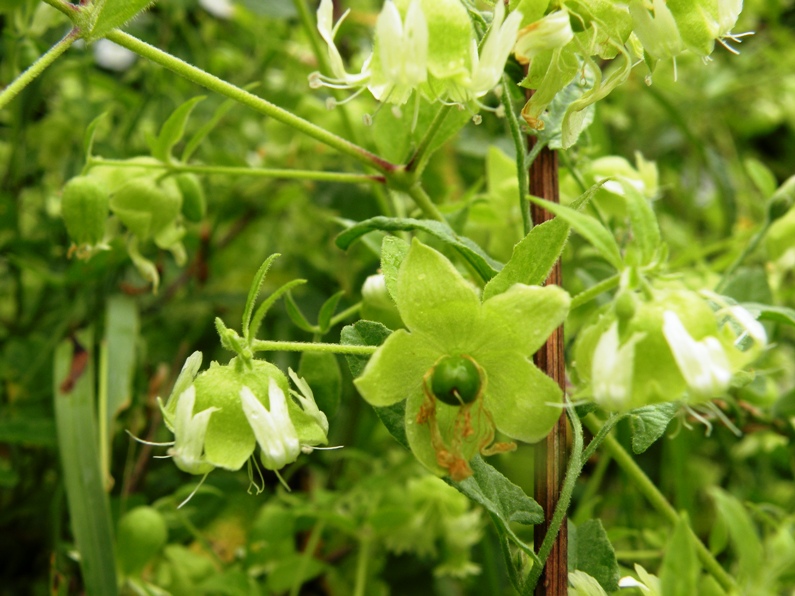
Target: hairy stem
[(419, 160), (343, 177), (35, 69), (261, 345), (424, 202), (659, 502), (213, 83), (520, 146)]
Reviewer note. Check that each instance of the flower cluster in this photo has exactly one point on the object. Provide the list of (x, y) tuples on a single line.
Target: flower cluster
[(220, 416), (464, 366), (428, 46), (669, 346)]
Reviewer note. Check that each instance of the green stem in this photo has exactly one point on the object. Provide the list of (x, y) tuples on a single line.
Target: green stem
[(342, 177), (345, 314), (242, 96), (362, 560), (520, 146), (424, 202), (261, 345), (564, 500), (752, 245), (419, 160), (306, 556), (660, 503), (592, 292), (578, 457), (35, 69)]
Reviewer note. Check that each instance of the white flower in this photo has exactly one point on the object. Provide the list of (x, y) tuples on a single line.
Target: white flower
[(659, 34), (751, 327), (307, 400), (487, 68), (402, 51), (112, 56), (703, 364), (552, 31), (222, 9), (273, 429), (327, 30), (611, 377), (648, 585), (189, 432)]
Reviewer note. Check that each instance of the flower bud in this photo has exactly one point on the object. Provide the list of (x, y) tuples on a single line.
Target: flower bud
[(552, 31), (782, 200), (85, 210), (141, 533), (194, 204), (145, 206)]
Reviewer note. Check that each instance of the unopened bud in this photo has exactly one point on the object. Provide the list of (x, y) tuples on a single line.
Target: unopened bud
[(85, 210)]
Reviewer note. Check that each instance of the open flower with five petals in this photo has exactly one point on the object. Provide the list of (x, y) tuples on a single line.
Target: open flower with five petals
[(446, 321)]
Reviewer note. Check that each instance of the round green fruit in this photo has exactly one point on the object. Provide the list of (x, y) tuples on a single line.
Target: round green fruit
[(456, 380)]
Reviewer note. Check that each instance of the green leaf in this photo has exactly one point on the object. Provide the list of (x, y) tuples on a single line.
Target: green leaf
[(266, 304), (394, 419), (649, 424), (327, 311), (595, 555), (205, 129), (485, 266), (122, 326), (500, 497), (297, 316), (589, 228), (112, 14), (535, 255), (88, 137), (762, 177), (362, 333), (78, 446), (743, 534), (645, 231), (173, 129), (253, 292), (322, 372), (766, 312), (680, 567), (393, 251)]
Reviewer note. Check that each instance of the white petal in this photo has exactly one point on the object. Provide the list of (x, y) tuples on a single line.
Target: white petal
[(274, 431), (704, 364), (612, 367), (189, 433)]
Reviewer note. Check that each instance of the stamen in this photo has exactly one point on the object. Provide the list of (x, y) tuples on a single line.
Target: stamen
[(193, 492)]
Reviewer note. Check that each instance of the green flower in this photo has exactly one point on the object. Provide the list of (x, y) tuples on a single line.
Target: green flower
[(445, 318), (220, 416)]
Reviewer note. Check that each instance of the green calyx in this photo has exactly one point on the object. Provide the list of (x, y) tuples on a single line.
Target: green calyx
[(456, 380), (85, 210)]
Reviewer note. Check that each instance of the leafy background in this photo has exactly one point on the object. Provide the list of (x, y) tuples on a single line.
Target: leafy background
[(722, 138)]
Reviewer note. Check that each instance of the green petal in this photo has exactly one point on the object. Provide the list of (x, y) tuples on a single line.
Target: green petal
[(397, 368), (419, 435), (434, 300), (517, 396), (523, 317), (229, 441)]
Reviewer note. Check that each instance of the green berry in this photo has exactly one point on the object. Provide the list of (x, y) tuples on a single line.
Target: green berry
[(142, 532), (85, 210), (456, 380)]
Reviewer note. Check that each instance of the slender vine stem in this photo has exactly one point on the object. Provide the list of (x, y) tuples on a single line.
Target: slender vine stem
[(578, 457), (596, 289), (261, 345), (659, 502), (35, 69), (345, 314), (343, 177), (520, 146), (424, 202), (419, 160), (263, 106)]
